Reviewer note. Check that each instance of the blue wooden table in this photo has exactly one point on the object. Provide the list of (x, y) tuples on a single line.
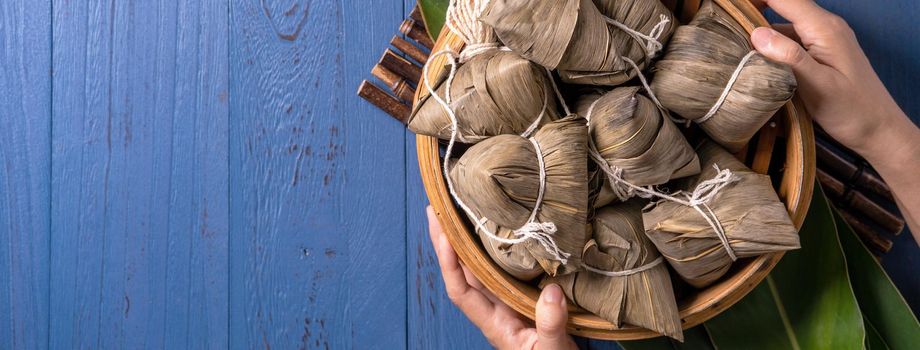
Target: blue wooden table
[(200, 174)]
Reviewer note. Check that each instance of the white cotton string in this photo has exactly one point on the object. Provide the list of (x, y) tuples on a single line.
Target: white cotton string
[(624, 273), (651, 94), (591, 109), (540, 231), (552, 82), (652, 44), (536, 122), (463, 20), (728, 88)]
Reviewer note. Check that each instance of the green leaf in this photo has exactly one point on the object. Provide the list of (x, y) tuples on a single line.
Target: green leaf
[(805, 303), (874, 340), (881, 303), (695, 338), (434, 13)]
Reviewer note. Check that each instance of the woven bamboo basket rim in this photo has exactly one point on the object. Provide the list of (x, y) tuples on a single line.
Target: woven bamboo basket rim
[(796, 186)]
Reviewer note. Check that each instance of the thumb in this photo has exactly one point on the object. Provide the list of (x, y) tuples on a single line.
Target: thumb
[(779, 48), (551, 318)]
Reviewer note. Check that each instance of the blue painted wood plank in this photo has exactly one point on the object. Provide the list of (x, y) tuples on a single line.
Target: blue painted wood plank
[(25, 165), (139, 181), (317, 180)]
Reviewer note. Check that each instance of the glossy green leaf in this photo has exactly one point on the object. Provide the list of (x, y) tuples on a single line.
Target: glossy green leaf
[(805, 303), (434, 12), (881, 303), (695, 338)]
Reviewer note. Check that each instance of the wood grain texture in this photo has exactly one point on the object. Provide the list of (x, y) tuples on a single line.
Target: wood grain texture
[(139, 182), (25, 165), (317, 179)]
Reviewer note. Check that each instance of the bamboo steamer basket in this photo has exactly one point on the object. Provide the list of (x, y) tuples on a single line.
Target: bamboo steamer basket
[(789, 135)]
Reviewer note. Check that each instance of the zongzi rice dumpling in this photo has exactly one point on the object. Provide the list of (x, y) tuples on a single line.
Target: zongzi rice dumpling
[(539, 183), (711, 75), (586, 41), (493, 91), (632, 134), (625, 280), (747, 211)]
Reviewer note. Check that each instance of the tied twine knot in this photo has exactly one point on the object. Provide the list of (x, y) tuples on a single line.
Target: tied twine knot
[(542, 232), (463, 20), (699, 199)]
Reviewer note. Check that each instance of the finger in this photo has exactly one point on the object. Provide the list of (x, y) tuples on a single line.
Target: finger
[(551, 318), (475, 283), (474, 304), (798, 11), (779, 48), (434, 228), (788, 30)]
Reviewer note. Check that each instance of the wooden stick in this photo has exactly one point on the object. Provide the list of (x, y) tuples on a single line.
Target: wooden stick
[(851, 172), (401, 66), (853, 199), (409, 49), (383, 100), (416, 14), (397, 84), (875, 242), (415, 30)]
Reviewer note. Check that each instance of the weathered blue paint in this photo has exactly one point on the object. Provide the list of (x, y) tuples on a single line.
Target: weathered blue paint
[(25, 165), (139, 182), (199, 174), (317, 179)]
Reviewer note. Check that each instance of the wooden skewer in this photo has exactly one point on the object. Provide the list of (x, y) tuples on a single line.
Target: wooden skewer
[(852, 198), (401, 66), (854, 173), (409, 49), (416, 14), (383, 100), (397, 84), (865, 232), (415, 30)]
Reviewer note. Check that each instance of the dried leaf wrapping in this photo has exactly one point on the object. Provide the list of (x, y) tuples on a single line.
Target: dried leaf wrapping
[(515, 259), (644, 299), (574, 37), (600, 193), (754, 220), (494, 93), (697, 66), (631, 133), (499, 180)]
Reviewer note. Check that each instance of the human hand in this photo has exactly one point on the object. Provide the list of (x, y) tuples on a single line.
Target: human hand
[(844, 95), (840, 89), (502, 326)]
